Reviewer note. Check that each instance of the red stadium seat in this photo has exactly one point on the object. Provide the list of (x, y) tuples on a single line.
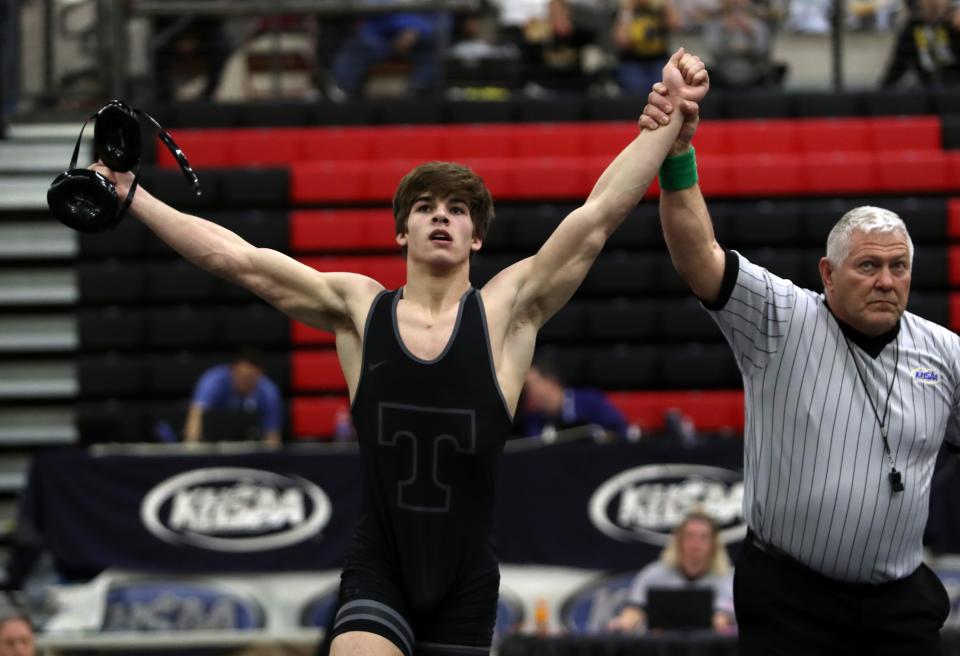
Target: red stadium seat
[(316, 371), (303, 335), (203, 148), (831, 135), (389, 270), (342, 230), (264, 147), (607, 139), (759, 175), (315, 182), (711, 139), (914, 170), (906, 133), (553, 140), (955, 311), (562, 160), (323, 182), (759, 136), (341, 144), (473, 141), (953, 171), (840, 172), (715, 174), (715, 410), (383, 177), (710, 411), (313, 417), (953, 218), (417, 143), (954, 266), (497, 174), (549, 178)]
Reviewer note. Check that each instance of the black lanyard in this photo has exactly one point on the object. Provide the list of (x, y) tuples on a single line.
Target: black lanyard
[(896, 478)]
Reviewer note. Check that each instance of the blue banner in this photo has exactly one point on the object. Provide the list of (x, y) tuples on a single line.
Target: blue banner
[(577, 504)]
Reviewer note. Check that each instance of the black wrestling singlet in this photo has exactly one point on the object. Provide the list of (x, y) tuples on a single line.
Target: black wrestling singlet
[(430, 434)]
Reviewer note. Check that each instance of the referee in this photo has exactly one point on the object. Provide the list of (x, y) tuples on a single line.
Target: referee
[(848, 399)]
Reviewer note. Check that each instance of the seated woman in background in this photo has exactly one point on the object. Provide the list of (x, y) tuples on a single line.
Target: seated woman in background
[(695, 557)]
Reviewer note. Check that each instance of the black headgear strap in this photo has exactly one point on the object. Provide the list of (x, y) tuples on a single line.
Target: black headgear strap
[(165, 137)]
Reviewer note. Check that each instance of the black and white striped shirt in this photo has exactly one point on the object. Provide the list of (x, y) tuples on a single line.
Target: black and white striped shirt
[(815, 472)]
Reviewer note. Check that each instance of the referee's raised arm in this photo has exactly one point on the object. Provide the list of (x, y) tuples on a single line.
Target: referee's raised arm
[(848, 397), (687, 228)]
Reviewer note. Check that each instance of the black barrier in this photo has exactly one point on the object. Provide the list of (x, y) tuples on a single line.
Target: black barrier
[(673, 644), (205, 513), (608, 507), (578, 504), (679, 644)]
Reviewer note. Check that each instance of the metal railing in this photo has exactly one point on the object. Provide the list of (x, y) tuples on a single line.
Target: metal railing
[(99, 36)]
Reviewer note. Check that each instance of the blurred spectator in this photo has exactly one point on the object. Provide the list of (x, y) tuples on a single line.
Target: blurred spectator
[(550, 406), (343, 428), (280, 54), (641, 37), (809, 16), (514, 15), (867, 15), (552, 49), (924, 45), (240, 387), (413, 37), (695, 557), (184, 46), (693, 13), (16, 636), (477, 65), (739, 42)]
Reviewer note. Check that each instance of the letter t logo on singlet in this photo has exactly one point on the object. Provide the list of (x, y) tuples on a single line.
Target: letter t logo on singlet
[(420, 431)]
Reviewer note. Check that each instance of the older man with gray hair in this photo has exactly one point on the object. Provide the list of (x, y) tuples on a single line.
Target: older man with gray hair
[(16, 635), (848, 399)]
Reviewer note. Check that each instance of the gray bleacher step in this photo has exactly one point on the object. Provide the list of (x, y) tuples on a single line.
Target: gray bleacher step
[(60, 132), (30, 379), (44, 239), (39, 332), (37, 426), (44, 157), (47, 286), (24, 192), (12, 481)]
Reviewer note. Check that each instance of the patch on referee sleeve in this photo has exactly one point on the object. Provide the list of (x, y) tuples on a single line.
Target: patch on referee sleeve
[(925, 376), (363, 614)]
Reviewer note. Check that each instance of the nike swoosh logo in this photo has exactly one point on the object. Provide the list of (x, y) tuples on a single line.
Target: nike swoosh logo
[(375, 365)]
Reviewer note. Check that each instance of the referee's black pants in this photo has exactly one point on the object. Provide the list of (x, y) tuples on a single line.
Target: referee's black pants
[(785, 609)]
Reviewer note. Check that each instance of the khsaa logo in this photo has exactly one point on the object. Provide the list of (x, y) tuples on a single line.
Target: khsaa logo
[(158, 605), (235, 509), (590, 608), (925, 376), (645, 503)]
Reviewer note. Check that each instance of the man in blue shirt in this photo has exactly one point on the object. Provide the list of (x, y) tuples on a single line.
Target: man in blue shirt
[(240, 387), (409, 35), (550, 406)]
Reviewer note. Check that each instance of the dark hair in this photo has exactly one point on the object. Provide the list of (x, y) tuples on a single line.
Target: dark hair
[(699, 516), (443, 180), (15, 616), (249, 355), (547, 367)]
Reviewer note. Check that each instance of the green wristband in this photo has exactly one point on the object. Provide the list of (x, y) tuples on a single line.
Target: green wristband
[(679, 172)]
